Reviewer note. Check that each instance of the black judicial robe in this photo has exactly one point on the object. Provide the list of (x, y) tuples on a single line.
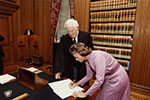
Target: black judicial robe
[(64, 61)]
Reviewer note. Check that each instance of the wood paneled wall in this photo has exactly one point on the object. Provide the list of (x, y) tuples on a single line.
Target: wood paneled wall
[(42, 27), (7, 9), (140, 59), (18, 15), (82, 14), (34, 15)]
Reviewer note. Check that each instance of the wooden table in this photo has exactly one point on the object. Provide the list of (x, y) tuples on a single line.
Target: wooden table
[(47, 68)]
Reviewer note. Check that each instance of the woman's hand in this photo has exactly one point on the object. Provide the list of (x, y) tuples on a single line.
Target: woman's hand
[(79, 94), (73, 84)]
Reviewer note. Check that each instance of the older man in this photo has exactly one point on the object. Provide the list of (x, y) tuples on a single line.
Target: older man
[(65, 64)]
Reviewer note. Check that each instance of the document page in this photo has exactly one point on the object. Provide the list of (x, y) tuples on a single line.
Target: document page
[(6, 78), (62, 89), (32, 69), (35, 70)]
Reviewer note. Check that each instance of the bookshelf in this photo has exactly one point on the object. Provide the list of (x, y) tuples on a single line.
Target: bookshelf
[(112, 27)]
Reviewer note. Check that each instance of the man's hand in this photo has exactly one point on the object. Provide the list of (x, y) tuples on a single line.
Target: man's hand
[(57, 75)]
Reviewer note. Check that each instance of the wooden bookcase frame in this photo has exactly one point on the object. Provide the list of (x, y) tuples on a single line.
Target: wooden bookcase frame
[(112, 27)]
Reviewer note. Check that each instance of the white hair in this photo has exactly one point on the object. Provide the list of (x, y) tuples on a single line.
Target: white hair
[(72, 22)]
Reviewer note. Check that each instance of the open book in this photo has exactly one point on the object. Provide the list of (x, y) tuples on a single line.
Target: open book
[(62, 89), (6, 78)]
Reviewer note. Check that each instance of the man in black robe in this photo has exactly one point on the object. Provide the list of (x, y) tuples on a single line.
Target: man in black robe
[(64, 63), (1, 55)]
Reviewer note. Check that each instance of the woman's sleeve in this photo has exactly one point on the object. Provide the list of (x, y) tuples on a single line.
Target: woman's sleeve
[(100, 64), (88, 76)]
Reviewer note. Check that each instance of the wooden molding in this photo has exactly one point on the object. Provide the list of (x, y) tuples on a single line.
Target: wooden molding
[(140, 87), (7, 8)]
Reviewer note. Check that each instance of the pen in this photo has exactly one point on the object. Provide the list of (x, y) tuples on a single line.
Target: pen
[(73, 83)]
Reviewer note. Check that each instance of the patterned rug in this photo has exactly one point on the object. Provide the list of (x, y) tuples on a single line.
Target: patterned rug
[(136, 96)]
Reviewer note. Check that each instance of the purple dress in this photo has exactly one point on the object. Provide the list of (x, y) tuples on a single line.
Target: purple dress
[(113, 86)]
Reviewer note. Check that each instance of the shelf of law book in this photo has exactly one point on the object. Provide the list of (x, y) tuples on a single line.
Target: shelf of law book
[(112, 28), (111, 4), (112, 40), (113, 15), (122, 55), (125, 64)]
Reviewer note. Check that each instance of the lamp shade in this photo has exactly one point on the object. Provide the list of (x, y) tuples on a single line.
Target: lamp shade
[(28, 32)]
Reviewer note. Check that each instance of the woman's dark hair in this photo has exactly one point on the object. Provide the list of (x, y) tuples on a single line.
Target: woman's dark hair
[(80, 48)]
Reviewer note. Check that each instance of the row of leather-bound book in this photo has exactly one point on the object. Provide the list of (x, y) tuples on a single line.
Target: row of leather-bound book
[(112, 4), (112, 28), (114, 15)]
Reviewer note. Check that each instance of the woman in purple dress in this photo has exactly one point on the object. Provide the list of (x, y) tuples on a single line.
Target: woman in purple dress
[(110, 75)]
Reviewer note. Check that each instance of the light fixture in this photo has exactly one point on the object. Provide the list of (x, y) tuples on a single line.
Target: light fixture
[(28, 32)]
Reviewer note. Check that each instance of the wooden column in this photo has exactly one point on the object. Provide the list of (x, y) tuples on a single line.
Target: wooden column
[(140, 59), (82, 14)]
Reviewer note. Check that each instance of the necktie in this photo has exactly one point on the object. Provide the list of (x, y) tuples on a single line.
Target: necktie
[(74, 40)]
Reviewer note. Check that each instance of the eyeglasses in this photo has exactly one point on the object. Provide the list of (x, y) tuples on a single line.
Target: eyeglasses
[(71, 31)]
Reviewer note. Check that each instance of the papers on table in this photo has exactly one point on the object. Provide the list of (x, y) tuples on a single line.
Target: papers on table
[(32, 69), (6, 78), (62, 89), (35, 70)]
